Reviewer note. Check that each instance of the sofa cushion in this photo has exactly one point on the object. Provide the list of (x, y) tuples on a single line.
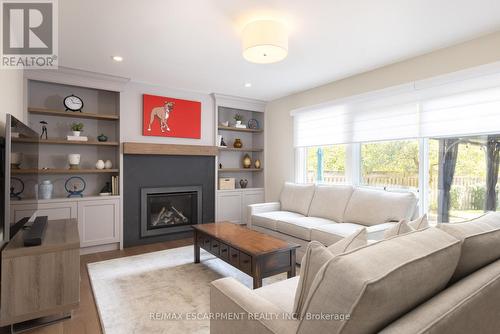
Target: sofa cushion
[(280, 293), (300, 227), (330, 234), (296, 197), (379, 283), (371, 207), (268, 219), (330, 202), (480, 245), (315, 256), (399, 228)]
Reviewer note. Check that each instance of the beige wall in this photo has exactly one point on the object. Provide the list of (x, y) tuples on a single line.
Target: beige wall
[(11, 94), (280, 156)]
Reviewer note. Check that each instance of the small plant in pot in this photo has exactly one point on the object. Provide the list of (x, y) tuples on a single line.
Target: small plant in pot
[(238, 118), (77, 129)]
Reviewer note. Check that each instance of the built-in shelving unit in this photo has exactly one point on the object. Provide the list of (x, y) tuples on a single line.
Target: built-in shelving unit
[(100, 115), (231, 204)]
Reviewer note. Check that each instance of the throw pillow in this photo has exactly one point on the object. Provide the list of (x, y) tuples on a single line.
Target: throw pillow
[(355, 240), (400, 228), (419, 223), (316, 255)]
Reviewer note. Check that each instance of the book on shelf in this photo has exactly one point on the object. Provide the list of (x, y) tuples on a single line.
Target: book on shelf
[(77, 138), (240, 126), (115, 185)]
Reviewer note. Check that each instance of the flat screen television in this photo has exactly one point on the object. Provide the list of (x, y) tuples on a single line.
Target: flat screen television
[(19, 150)]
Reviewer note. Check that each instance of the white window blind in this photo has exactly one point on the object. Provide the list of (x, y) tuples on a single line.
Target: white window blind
[(463, 107)]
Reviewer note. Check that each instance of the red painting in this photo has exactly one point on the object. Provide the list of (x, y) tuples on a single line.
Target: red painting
[(169, 117)]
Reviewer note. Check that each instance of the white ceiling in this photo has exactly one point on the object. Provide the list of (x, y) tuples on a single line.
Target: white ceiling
[(195, 44)]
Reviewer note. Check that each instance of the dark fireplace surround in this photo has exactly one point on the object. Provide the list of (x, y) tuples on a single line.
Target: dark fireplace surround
[(181, 192)]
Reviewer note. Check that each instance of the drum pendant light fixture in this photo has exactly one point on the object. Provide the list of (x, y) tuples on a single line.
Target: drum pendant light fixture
[(265, 42)]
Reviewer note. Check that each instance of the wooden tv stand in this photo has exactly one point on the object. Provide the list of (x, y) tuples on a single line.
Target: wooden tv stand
[(43, 280)]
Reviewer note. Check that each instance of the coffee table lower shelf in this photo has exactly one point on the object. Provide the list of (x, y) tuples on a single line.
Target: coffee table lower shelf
[(257, 265)]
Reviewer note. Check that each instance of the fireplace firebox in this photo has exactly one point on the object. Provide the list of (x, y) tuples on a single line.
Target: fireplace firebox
[(169, 210)]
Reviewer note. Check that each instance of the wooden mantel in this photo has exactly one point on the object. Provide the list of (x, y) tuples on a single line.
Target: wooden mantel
[(168, 149)]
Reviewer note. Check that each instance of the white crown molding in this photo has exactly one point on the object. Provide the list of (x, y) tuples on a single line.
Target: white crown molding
[(77, 77), (239, 102)]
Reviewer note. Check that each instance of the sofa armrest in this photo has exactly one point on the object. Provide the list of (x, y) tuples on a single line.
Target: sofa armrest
[(235, 309), (261, 208)]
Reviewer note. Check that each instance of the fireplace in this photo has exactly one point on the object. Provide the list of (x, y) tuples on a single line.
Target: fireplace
[(169, 210)]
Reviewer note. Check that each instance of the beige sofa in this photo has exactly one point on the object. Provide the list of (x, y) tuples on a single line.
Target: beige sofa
[(328, 213), (436, 280)]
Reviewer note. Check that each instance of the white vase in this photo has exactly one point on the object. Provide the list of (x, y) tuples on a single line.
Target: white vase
[(108, 164), (74, 160), (99, 164), (45, 189), (76, 133), (238, 122)]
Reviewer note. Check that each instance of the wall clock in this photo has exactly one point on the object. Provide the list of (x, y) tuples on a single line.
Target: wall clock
[(73, 103)]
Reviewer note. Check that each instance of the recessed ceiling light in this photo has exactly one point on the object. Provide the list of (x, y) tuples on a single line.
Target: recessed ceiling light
[(248, 84), (117, 58)]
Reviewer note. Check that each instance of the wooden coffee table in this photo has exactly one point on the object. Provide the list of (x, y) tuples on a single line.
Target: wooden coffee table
[(256, 254)]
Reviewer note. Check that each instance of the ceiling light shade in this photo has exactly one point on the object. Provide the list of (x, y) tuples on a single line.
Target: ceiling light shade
[(265, 42)]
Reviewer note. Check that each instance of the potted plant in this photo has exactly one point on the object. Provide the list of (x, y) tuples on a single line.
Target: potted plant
[(77, 128), (238, 118)]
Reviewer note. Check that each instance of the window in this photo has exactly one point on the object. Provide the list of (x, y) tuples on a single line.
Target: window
[(326, 164), (369, 140), (460, 186), (391, 164)]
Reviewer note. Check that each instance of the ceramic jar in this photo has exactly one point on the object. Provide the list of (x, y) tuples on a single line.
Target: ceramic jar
[(243, 183), (247, 162), (76, 133), (102, 137), (74, 161), (45, 189), (237, 143), (108, 164), (99, 164)]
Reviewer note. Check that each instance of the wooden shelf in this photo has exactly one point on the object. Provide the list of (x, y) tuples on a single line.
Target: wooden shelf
[(63, 171), (230, 128), (62, 141), (236, 170), (168, 149), (240, 149), (49, 112)]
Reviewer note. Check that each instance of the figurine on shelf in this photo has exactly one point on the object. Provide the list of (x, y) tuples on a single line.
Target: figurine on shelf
[(220, 165), (222, 142), (106, 190), (243, 183), (44, 129)]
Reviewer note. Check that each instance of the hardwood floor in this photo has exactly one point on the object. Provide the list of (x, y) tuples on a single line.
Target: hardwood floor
[(85, 319)]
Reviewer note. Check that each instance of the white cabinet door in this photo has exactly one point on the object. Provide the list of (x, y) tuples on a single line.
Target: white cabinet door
[(98, 222), (229, 207), (250, 197), (54, 210)]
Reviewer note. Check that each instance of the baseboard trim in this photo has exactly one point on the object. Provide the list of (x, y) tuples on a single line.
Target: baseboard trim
[(100, 248)]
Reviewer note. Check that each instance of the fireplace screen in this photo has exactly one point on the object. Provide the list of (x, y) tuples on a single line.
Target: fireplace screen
[(167, 210)]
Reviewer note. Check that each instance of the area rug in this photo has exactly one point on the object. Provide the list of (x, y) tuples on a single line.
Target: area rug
[(159, 292)]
